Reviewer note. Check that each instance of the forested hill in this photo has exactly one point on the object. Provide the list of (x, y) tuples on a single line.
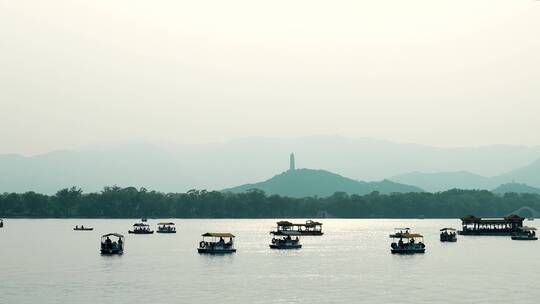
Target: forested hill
[(321, 183), (515, 188), (115, 202)]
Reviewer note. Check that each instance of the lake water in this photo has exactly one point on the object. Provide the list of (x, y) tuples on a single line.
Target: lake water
[(44, 261)]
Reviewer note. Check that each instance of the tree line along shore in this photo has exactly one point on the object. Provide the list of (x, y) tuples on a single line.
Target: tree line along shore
[(117, 202)]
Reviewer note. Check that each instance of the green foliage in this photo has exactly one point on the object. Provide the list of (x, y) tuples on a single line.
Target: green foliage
[(116, 202)]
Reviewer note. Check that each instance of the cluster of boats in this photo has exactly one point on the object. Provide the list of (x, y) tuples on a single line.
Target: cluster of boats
[(143, 228), (286, 235), (113, 243)]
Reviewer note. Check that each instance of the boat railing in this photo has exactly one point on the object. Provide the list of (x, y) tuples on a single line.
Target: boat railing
[(218, 245)]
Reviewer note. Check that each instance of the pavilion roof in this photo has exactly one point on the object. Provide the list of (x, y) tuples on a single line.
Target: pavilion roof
[(506, 219), (306, 224)]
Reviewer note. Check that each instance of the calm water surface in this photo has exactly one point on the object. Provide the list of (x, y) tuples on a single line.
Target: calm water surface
[(44, 261)]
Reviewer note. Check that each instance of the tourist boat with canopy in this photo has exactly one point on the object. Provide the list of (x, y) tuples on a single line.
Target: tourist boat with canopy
[(285, 242), (507, 225), (214, 242), (448, 235), (408, 243), (141, 228), (525, 234), (82, 228), (166, 228), (288, 228), (112, 243)]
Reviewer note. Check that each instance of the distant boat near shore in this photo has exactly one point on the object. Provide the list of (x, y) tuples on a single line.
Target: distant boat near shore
[(505, 226), (288, 228), (141, 228), (166, 228)]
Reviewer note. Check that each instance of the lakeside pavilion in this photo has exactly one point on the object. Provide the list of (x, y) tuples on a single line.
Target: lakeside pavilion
[(472, 225)]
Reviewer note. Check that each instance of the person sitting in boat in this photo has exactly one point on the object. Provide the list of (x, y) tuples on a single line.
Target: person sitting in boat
[(82, 226), (400, 243), (76, 226), (221, 241), (288, 237), (108, 243), (120, 242)]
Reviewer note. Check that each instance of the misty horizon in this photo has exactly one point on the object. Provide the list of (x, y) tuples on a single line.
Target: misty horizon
[(463, 75), (217, 166), (170, 143)]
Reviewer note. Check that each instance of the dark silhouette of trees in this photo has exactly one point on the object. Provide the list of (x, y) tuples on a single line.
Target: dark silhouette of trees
[(117, 202)]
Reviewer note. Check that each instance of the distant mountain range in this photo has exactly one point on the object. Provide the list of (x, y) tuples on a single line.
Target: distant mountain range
[(180, 167), (321, 183), (441, 181)]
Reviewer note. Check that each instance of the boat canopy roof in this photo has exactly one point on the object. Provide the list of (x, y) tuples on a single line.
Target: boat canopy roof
[(169, 223), (449, 229), (525, 228), (140, 225), (219, 234), (406, 235), (113, 234)]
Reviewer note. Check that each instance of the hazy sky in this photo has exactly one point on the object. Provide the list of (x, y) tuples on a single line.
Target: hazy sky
[(447, 73)]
